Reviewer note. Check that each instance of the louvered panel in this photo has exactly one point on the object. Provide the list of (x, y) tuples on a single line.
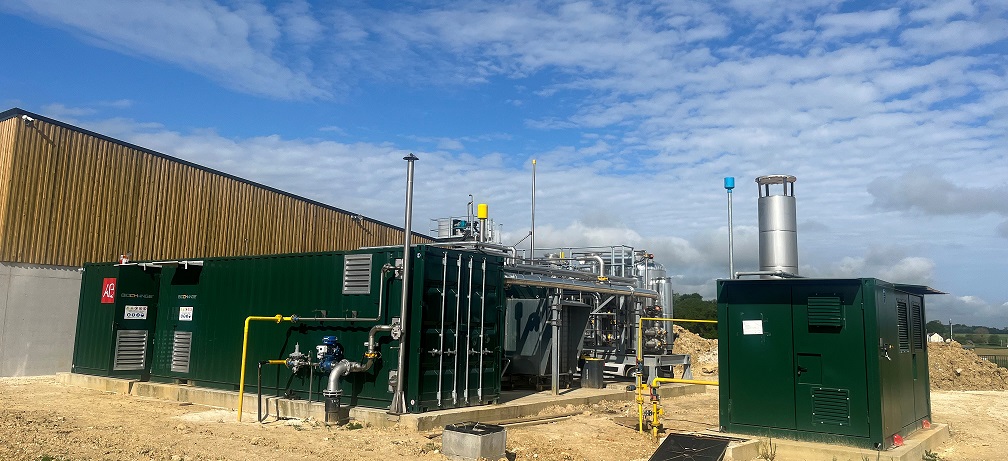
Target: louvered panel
[(825, 311), (357, 274), (831, 406), (903, 326), (917, 333), (181, 351), (130, 350)]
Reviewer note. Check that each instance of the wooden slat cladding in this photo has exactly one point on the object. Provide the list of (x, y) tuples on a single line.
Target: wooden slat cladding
[(69, 197), (8, 139)]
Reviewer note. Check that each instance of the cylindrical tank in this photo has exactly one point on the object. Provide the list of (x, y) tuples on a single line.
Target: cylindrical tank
[(663, 285), (778, 225), (653, 276)]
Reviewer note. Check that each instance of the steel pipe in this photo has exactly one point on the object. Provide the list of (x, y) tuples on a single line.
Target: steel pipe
[(398, 405), (549, 282)]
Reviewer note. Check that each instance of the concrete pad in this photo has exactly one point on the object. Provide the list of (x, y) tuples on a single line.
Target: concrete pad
[(100, 383), (513, 404), (913, 448)]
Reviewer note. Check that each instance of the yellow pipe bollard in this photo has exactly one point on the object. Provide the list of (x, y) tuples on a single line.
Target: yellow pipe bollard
[(241, 383)]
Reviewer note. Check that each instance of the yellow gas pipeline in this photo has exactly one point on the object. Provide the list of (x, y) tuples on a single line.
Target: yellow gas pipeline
[(241, 382), (656, 381)]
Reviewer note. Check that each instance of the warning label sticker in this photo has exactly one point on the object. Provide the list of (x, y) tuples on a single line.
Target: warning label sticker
[(135, 313), (752, 327), (185, 313)]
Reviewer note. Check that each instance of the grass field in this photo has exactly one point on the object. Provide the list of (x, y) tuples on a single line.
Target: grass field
[(998, 355), (991, 351)]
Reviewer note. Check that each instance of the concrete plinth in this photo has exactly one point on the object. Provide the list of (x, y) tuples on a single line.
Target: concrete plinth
[(513, 404), (913, 449), (473, 441)]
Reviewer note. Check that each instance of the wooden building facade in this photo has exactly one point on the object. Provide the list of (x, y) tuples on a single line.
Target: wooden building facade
[(69, 196)]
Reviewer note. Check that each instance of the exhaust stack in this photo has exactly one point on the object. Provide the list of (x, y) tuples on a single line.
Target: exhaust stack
[(778, 226)]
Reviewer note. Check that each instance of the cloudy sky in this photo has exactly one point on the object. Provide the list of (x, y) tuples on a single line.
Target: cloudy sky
[(892, 114)]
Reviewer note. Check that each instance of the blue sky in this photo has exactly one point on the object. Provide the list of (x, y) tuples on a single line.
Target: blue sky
[(893, 116)]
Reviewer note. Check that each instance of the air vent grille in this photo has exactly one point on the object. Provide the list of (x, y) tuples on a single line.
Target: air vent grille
[(903, 326), (181, 351), (825, 311), (131, 350), (917, 322), (357, 274), (831, 406)]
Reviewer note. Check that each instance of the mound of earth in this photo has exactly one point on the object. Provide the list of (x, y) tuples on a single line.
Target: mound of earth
[(957, 369), (703, 352)]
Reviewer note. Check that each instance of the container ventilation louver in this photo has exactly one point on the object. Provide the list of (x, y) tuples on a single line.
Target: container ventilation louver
[(131, 349), (357, 274), (181, 350)]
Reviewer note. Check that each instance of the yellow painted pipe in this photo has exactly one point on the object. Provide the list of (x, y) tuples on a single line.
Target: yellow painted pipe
[(656, 382), (241, 383), (640, 359)]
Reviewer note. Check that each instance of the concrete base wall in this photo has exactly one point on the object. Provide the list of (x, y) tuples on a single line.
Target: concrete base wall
[(38, 318)]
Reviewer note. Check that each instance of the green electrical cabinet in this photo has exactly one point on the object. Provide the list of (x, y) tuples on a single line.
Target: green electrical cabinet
[(453, 333), (837, 360), (115, 320)]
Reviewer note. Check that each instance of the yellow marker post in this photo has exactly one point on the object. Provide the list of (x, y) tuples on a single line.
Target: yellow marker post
[(241, 383)]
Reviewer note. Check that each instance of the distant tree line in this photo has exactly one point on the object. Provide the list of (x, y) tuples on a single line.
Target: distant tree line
[(979, 335), (693, 306)]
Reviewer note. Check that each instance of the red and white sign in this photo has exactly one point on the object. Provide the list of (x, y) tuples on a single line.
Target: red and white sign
[(108, 291)]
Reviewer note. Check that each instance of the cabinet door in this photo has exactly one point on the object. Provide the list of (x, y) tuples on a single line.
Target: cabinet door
[(830, 393), (762, 379)]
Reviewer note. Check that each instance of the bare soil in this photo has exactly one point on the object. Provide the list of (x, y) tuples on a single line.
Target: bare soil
[(42, 419), (45, 420)]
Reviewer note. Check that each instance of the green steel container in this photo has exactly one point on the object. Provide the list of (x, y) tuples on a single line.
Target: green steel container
[(115, 320), (837, 360), (456, 303)]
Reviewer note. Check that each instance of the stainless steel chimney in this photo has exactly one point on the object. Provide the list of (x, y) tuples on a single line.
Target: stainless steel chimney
[(778, 225)]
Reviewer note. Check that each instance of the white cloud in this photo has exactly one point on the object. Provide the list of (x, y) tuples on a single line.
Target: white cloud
[(928, 192), (233, 45), (967, 310), (647, 106), (848, 24)]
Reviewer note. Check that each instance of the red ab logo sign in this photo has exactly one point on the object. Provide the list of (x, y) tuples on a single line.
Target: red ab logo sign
[(108, 291)]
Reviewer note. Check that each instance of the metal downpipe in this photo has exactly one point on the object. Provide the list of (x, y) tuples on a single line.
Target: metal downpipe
[(398, 406)]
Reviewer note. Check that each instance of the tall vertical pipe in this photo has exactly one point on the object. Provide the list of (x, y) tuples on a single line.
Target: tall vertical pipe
[(468, 322), (479, 393), (458, 323), (398, 406), (555, 384), (532, 232), (729, 184), (444, 302)]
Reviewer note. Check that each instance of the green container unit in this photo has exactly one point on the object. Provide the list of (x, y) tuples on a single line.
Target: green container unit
[(115, 321), (834, 360), (456, 304)]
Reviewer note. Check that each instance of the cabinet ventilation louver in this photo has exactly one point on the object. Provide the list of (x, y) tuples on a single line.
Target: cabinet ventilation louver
[(825, 311), (357, 274), (130, 350), (917, 322), (831, 406), (181, 351), (903, 325)]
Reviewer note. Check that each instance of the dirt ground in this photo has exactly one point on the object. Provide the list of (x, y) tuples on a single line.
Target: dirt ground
[(45, 420)]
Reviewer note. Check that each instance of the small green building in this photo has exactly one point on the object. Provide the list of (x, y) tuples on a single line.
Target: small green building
[(835, 360)]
